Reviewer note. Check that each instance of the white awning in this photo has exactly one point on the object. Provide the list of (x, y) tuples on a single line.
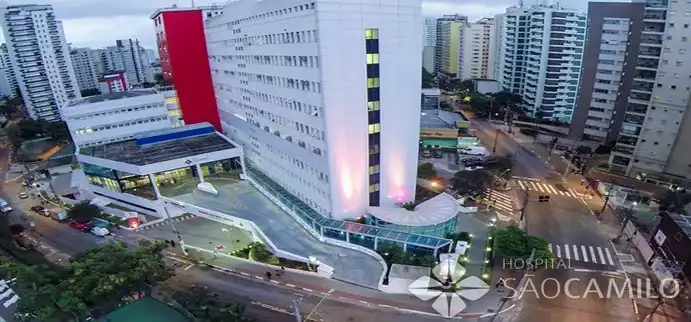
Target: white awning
[(434, 211)]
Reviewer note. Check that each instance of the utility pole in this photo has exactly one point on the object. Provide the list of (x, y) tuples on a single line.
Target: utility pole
[(525, 204), (491, 105), (496, 137)]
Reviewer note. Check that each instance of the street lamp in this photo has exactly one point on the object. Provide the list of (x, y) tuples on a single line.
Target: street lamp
[(608, 193)]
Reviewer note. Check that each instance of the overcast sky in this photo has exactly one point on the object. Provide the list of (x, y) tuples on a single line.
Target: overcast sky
[(97, 23)]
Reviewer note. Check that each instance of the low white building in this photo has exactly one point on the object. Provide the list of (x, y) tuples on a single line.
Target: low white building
[(118, 116)]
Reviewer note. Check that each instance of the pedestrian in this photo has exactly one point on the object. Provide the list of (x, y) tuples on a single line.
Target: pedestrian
[(268, 274), (283, 269), (172, 243), (500, 282)]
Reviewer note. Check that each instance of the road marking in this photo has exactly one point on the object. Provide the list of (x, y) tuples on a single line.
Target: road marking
[(522, 185), (575, 252), (609, 257), (275, 282), (257, 277), (551, 188), (245, 274), (602, 256), (566, 250), (533, 184), (363, 302), (592, 254), (585, 253), (188, 267), (290, 285), (307, 290)]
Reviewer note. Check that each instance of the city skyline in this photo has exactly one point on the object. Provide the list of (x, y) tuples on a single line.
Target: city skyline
[(86, 23)]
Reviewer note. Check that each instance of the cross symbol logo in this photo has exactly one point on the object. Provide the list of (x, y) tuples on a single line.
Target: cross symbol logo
[(188, 162)]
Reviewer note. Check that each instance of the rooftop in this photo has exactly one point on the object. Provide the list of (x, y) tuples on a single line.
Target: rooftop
[(109, 97), (161, 146), (431, 212), (145, 310), (440, 119), (431, 91)]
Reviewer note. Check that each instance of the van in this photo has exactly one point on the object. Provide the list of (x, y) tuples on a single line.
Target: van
[(475, 150), (5, 206), (58, 214)]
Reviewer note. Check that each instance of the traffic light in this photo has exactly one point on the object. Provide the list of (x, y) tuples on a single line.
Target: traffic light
[(543, 199)]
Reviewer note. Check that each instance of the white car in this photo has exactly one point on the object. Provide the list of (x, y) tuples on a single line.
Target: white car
[(100, 231), (23, 195), (476, 150)]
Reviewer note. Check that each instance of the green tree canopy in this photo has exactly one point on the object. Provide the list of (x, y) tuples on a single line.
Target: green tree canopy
[(58, 131), (584, 149), (427, 79), (500, 166), (90, 92), (513, 243), (8, 110), (30, 128), (471, 183), (83, 211), (426, 171), (206, 306), (96, 281)]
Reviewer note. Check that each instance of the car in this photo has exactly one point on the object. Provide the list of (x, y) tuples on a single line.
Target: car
[(37, 209), (426, 154), (44, 213), (438, 154), (78, 224), (23, 195), (100, 229), (478, 151)]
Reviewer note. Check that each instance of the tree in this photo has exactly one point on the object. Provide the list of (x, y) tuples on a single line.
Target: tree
[(261, 252), (90, 92), (16, 229), (99, 280), (30, 128), (513, 243), (675, 201), (148, 85), (605, 148), (8, 110), (14, 134), (158, 78), (83, 211), (205, 306), (584, 149), (426, 171), (500, 166), (57, 131), (471, 183)]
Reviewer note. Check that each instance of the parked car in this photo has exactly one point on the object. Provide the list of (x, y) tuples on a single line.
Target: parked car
[(476, 150), (99, 229), (426, 154), (438, 154), (23, 195), (57, 214), (78, 224), (38, 209)]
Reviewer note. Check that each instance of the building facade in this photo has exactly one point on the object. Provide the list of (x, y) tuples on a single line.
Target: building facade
[(296, 116), (429, 43), (113, 81), (115, 117), (8, 83), (84, 69), (448, 44), (541, 58), (133, 60), (652, 143), (476, 45), (184, 58), (609, 66), (40, 58)]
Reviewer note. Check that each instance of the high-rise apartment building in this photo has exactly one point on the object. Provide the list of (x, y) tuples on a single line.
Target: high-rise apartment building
[(609, 66), (448, 44), (477, 41), (40, 58), (8, 83), (184, 58), (325, 101), (112, 82), (134, 66), (84, 69), (541, 58), (653, 142), (429, 44)]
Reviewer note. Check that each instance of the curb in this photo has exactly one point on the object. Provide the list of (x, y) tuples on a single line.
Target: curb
[(342, 298)]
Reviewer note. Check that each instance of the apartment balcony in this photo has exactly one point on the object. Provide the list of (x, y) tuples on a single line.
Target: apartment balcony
[(656, 5), (623, 149), (639, 86), (652, 40), (645, 75), (649, 52), (637, 108), (655, 16), (634, 120), (628, 141), (654, 27)]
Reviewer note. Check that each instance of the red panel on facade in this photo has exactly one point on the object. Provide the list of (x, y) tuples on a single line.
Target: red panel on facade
[(188, 61)]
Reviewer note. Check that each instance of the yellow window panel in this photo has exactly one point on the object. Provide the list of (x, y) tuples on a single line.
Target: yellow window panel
[(373, 106), (372, 59)]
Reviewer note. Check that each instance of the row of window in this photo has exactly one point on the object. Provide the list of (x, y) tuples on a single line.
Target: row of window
[(275, 13), (294, 105), (291, 61), (290, 83), (115, 112), (290, 37), (373, 114), (116, 125)]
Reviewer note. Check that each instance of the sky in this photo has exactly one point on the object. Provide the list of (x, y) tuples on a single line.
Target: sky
[(98, 23)]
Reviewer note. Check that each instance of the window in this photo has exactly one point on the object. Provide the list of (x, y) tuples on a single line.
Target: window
[(372, 82), (373, 106), (371, 33), (372, 58), (374, 128)]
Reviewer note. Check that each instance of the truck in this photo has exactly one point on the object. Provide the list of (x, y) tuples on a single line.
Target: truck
[(5, 206), (58, 214)]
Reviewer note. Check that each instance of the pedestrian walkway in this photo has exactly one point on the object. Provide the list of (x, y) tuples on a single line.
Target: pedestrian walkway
[(502, 203), (7, 296), (583, 253), (533, 185), (167, 221)]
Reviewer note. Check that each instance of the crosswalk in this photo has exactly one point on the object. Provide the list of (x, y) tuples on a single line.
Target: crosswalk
[(7, 295), (534, 185), (583, 253), (501, 202)]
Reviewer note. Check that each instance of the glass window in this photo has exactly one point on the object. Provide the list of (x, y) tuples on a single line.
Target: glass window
[(372, 82), (373, 106), (372, 58), (138, 185), (374, 128), (371, 33)]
